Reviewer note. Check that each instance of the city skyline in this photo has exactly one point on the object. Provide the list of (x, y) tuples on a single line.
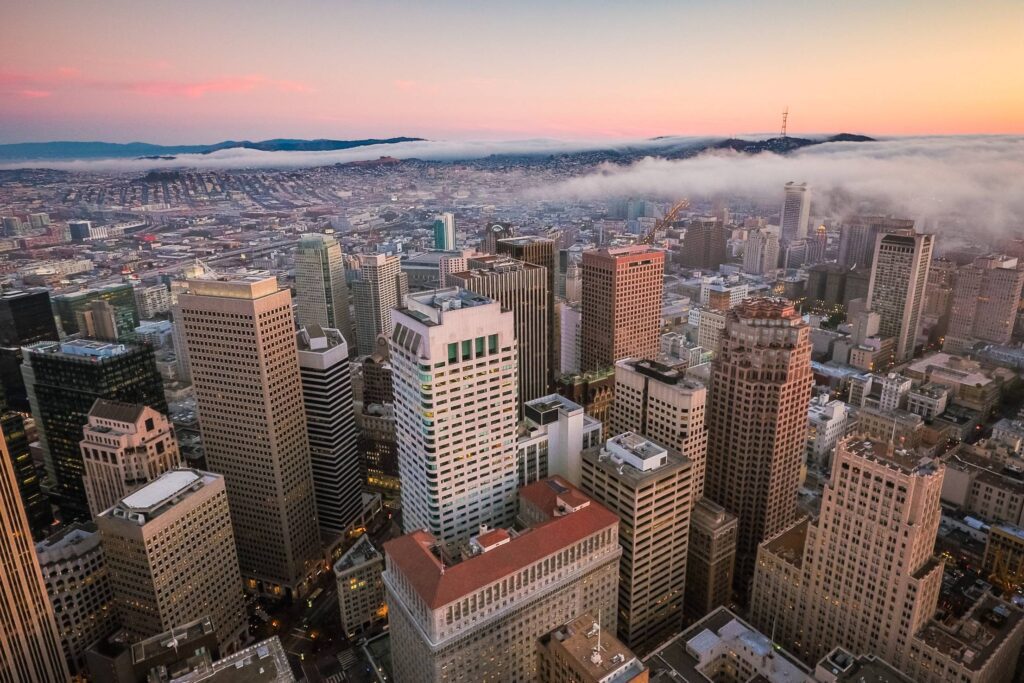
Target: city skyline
[(517, 71)]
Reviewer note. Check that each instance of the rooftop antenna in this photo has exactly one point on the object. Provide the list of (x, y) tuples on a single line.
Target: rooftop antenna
[(785, 115)]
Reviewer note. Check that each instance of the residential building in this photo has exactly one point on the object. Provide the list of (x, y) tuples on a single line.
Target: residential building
[(899, 275), (321, 291), (381, 287), (124, 446), (986, 298), (622, 292), (757, 422), (240, 329), (171, 556), (553, 434), (479, 618), (361, 588), (455, 371), (331, 425), (580, 651), (796, 212), (30, 645)]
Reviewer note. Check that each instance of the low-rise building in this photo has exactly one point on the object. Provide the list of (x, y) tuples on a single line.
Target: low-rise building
[(983, 488), (360, 587)]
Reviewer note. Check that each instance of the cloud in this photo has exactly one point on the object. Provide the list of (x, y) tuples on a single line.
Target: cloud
[(68, 78), (34, 94)]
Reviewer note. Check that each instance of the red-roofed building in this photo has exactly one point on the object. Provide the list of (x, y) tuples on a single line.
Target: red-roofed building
[(480, 618)]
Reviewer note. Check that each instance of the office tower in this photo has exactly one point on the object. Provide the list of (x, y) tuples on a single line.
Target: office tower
[(650, 488), (817, 245), (71, 309), (858, 235), (831, 287), (172, 559), (451, 262), (573, 283), (705, 245), (711, 560), (444, 231), (124, 446), (570, 321), (658, 401), (592, 390), (897, 289), (454, 360), (37, 506), (553, 434), (478, 616), (25, 317), (796, 211), (321, 291), (331, 425), (375, 421), (381, 287), (38, 221), (79, 230), (99, 321), (762, 252), (360, 588), (580, 651), (241, 329), (74, 570), (720, 294), (180, 347), (523, 289), (540, 251), (827, 422), (862, 576), (153, 300), (794, 254), (12, 226), (986, 298), (757, 422), (622, 290), (64, 380), (30, 648), (494, 232)]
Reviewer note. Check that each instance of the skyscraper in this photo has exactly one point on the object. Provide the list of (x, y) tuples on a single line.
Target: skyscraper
[(124, 446), (240, 336), (986, 297), (757, 422), (26, 317), (64, 380), (71, 309), (650, 488), (455, 363), (172, 558), (321, 292), (796, 211), (704, 245), (862, 576), (479, 619), (897, 289), (540, 251), (444, 231), (622, 291), (857, 237), (331, 424), (381, 287), (30, 649), (37, 506), (521, 288), (762, 252)]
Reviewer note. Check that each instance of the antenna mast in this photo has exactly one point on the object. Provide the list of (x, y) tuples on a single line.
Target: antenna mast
[(785, 115)]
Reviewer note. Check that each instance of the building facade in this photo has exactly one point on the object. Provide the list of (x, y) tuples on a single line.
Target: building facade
[(796, 211), (321, 291), (986, 298), (361, 588), (896, 292), (381, 287)]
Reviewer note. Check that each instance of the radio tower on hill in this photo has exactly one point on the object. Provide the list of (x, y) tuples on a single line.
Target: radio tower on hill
[(785, 115)]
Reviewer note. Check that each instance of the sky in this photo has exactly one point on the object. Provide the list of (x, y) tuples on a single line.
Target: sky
[(194, 71)]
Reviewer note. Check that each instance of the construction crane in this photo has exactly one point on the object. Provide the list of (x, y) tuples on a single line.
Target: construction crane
[(1005, 576), (666, 220)]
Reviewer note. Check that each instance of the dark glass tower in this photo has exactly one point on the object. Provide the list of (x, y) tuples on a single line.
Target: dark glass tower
[(37, 507), (64, 380), (71, 309), (25, 317)]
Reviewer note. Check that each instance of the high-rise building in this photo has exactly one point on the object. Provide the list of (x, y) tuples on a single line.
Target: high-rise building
[(360, 587), (444, 231), (494, 232), (580, 651), (37, 506), (381, 287), (240, 336), (478, 616), (540, 251), (64, 380), (553, 434), (521, 288), (570, 321), (321, 292), (75, 573), (172, 559), (897, 289), (711, 560), (124, 447), (705, 245), (375, 421), (331, 424), (858, 235), (658, 401), (862, 576), (986, 298), (38, 221), (796, 211), (71, 309), (455, 361), (827, 422), (622, 292), (762, 252), (12, 226), (30, 648), (153, 300), (650, 488), (757, 422), (594, 391), (26, 317)]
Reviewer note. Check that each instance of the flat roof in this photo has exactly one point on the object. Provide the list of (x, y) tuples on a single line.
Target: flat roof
[(161, 489), (789, 544), (579, 638)]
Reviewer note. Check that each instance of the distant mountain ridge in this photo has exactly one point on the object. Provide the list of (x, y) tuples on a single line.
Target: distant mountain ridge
[(66, 149)]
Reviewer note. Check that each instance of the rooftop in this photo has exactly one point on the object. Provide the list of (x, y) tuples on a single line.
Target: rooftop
[(116, 411), (264, 662), (789, 544), (972, 639), (907, 462), (243, 285), (864, 669), (429, 307), (359, 554), (161, 494), (613, 663), (766, 308), (69, 543)]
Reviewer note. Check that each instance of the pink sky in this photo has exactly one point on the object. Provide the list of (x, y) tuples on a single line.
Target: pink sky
[(203, 71)]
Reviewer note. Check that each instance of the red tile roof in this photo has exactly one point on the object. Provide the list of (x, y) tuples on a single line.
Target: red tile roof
[(411, 554)]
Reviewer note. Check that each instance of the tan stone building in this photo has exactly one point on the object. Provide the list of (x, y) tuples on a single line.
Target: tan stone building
[(360, 587), (986, 298), (899, 276), (580, 651), (622, 292), (171, 556), (124, 446), (240, 335), (757, 423), (479, 617)]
